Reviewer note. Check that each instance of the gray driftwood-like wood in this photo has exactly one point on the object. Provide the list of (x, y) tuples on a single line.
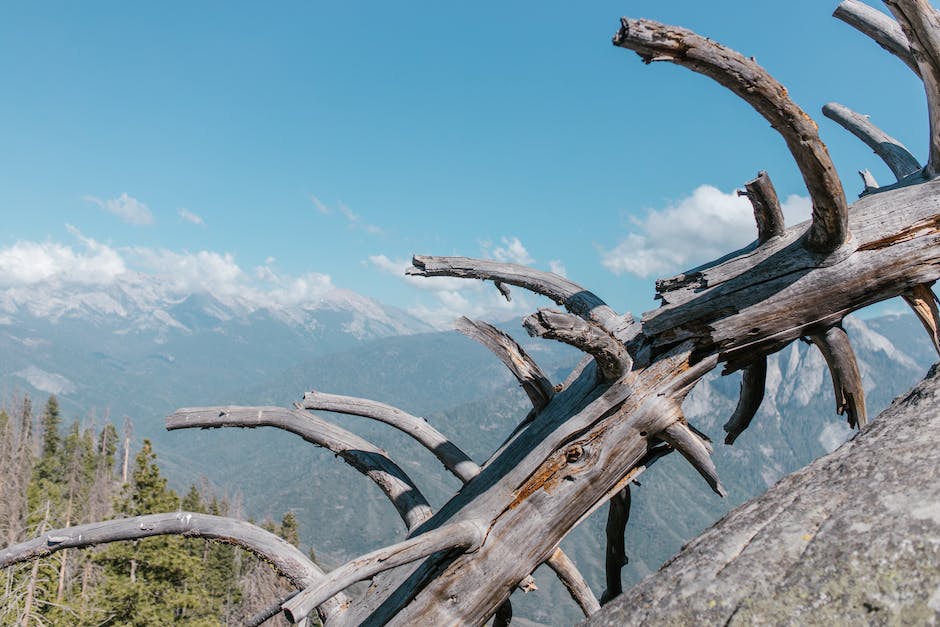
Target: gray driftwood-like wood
[(696, 450), (287, 559), (454, 459), (574, 582), (569, 294), (753, 382), (895, 154), (354, 450), (767, 211), (611, 356), (528, 373), (586, 441), (923, 302), (654, 41), (921, 25), (465, 535), (834, 344), (880, 27), (868, 182)]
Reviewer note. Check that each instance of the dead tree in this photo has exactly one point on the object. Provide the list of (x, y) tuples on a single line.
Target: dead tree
[(586, 438)]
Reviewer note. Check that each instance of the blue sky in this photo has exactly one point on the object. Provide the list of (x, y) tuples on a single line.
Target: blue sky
[(328, 142)]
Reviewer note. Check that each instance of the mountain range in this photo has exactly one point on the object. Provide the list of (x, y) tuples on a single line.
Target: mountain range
[(142, 349)]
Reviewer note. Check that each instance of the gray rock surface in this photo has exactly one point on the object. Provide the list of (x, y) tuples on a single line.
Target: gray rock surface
[(853, 538)]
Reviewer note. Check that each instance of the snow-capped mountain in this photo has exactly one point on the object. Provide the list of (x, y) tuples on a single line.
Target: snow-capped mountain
[(136, 302), (123, 344)]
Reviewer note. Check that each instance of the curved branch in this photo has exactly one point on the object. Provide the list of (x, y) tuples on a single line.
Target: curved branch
[(921, 25), (528, 373), (880, 27), (453, 458), (895, 155), (611, 355), (356, 451), (753, 84), (573, 581), (753, 381), (924, 303), (834, 344), (766, 205), (287, 559), (616, 554), (572, 296), (466, 535), (695, 450)]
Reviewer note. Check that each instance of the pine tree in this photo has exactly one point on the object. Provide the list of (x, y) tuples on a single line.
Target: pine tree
[(158, 580)]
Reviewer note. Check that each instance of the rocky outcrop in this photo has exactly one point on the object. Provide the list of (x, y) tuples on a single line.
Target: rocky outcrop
[(853, 538)]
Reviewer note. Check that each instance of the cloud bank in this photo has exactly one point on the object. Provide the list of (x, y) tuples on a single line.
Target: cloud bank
[(94, 263), (706, 225)]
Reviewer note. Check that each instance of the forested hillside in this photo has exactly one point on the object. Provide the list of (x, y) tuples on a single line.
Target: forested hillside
[(57, 477)]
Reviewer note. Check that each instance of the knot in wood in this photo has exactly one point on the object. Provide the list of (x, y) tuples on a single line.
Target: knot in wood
[(574, 453)]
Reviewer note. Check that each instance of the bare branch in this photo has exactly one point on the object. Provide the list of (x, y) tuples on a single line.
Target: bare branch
[(921, 25), (682, 438), (466, 535), (880, 27), (503, 616), (504, 290), (572, 296), (834, 344), (868, 181), (453, 458), (356, 451), (749, 81), (611, 355), (287, 559), (924, 303), (753, 380), (616, 556), (895, 155), (534, 382), (767, 211), (573, 581), (269, 612)]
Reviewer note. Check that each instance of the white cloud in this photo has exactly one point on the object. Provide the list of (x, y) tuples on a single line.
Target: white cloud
[(188, 216), (700, 227), (25, 263), (191, 272), (125, 207), (165, 273), (512, 251)]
